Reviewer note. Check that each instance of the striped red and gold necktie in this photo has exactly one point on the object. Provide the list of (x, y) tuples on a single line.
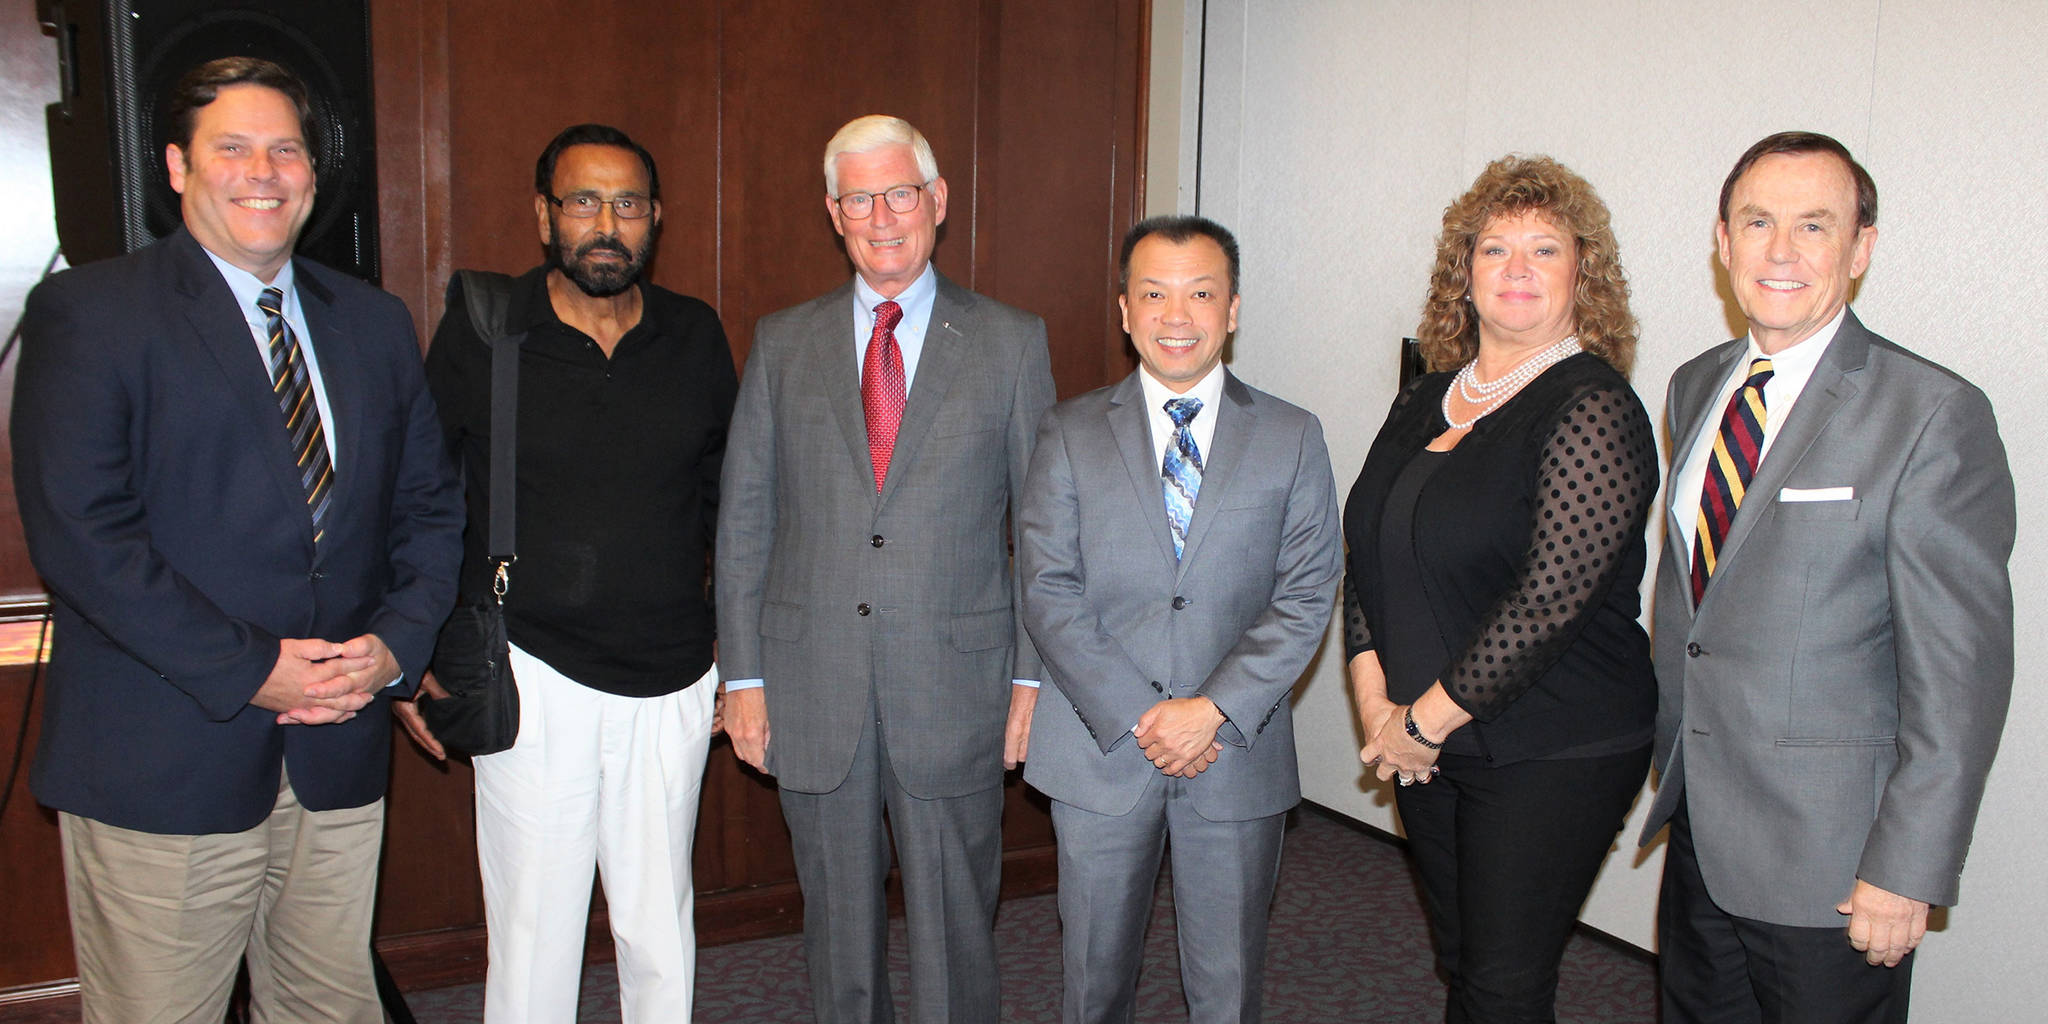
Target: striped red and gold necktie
[(1737, 449), (294, 392)]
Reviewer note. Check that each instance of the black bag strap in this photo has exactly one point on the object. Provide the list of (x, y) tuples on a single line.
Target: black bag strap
[(489, 299)]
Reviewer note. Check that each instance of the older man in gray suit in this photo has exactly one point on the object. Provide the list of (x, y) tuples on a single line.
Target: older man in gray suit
[(866, 611), (1180, 554), (1834, 650)]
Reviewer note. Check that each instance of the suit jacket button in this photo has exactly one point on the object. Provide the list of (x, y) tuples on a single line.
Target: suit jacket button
[(1157, 687), (1179, 602), (1693, 650), (877, 541), (862, 608)]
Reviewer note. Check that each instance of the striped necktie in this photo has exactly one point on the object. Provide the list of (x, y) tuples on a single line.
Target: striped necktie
[(294, 391), (1182, 470), (1737, 448)]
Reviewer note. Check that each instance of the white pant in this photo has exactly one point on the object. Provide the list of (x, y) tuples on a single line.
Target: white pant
[(594, 778)]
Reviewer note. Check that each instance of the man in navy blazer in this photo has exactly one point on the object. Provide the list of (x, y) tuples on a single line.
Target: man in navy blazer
[(238, 571)]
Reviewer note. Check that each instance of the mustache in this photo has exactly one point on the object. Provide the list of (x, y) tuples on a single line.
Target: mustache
[(604, 243)]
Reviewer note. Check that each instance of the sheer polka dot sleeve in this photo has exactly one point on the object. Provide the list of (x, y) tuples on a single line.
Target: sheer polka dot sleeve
[(1597, 477), (1357, 635)]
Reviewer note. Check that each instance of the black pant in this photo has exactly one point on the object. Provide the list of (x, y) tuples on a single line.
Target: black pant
[(1716, 968), (1506, 856)]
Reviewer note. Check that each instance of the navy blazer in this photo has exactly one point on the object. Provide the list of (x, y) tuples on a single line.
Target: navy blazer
[(163, 510)]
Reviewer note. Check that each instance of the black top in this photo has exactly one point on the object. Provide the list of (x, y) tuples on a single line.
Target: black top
[(618, 483), (1527, 543)]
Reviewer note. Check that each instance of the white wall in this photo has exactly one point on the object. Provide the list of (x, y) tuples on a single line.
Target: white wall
[(1333, 133)]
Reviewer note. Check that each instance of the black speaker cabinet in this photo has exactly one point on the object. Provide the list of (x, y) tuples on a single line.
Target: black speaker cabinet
[(118, 60)]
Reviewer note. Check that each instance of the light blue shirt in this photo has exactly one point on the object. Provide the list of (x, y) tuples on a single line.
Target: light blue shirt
[(248, 288), (916, 302)]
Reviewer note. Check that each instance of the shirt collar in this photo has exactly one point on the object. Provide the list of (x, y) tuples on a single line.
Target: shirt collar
[(1799, 359), (248, 287), (915, 299), (1209, 389)]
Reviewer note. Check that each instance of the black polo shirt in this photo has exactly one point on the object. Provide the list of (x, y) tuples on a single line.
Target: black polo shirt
[(618, 483)]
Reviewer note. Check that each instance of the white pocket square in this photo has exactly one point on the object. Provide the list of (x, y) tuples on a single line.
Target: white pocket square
[(1817, 494)]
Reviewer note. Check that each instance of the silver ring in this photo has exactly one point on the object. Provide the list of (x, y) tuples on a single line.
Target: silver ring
[(1406, 780)]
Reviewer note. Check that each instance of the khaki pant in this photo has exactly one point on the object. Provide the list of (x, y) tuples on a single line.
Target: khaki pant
[(160, 922)]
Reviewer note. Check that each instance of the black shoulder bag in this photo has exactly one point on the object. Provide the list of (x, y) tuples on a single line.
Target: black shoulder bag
[(480, 715)]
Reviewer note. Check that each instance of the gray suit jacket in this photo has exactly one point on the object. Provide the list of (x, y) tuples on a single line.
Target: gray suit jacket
[(830, 593), (1831, 708), (1122, 625)]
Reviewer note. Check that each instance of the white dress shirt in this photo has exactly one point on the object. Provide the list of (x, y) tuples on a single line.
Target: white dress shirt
[(1203, 427), (1791, 368)]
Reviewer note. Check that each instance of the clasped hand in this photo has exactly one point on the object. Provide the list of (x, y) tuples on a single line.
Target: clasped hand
[(1179, 736), (1389, 750), (320, 682)]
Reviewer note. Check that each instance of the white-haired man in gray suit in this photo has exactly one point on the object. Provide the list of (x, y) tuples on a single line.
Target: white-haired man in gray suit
[(866, 611), (1180, 555), (1833, 623)]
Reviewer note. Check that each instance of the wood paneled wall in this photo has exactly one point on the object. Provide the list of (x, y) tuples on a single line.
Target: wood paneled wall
[(1035, 111)]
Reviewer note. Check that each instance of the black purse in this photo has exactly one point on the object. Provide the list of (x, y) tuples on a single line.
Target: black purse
[(480, 715)]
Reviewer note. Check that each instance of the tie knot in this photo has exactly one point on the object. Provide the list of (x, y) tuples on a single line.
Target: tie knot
[(1182, 410), (1759, 372), (271, 302), (887, 315)]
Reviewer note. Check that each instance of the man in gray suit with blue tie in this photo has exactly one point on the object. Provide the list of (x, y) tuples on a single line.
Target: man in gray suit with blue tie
[(1179, 554), (1834, 623), (867, 618)]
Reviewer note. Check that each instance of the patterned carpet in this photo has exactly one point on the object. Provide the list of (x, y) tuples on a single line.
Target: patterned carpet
[(1336, 884)]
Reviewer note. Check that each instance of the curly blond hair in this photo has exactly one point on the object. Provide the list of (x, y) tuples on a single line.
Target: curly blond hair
[(1510, 187)]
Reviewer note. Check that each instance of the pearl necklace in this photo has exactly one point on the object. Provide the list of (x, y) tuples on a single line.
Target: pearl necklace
[(1491, 395)]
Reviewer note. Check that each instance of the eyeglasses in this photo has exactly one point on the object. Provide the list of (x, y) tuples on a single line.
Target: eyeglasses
[(585, 205), (861, 205)]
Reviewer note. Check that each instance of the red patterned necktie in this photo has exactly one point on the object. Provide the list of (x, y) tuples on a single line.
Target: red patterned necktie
[(881, 388), (1732, 463), (294, 392)]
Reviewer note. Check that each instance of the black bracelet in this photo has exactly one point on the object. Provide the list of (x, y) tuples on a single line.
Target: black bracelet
[(1408, 722)]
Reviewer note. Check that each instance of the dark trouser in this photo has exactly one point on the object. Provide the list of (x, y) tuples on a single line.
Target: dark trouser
[(950, 852), (1506, 856), (1716, 968)]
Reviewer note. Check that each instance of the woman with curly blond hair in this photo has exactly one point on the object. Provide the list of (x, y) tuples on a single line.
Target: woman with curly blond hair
[(1496, 549)]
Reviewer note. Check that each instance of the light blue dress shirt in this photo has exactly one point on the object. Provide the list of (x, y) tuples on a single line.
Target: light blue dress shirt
[(248, 288)]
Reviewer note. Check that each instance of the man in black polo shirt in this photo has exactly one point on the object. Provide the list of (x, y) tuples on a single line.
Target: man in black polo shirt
[(624, 393)]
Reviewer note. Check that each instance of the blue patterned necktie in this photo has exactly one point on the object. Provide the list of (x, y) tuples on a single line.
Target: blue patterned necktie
[(1182, 470), (294, 391)]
